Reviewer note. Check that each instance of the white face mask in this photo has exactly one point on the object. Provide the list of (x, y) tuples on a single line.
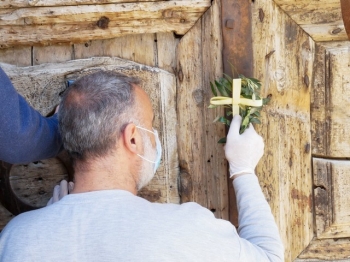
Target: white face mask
[(156, 162)]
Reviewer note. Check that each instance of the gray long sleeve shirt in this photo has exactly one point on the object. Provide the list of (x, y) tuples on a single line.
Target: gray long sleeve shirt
[(115, 225)]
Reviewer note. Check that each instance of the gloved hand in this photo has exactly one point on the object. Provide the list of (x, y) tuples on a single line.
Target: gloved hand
[(244, 151), (60, 191)]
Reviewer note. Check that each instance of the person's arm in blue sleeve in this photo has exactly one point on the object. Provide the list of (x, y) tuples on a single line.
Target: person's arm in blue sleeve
[(25, 135)]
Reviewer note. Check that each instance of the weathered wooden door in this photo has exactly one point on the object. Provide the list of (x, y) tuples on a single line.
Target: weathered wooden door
[(302, 55)]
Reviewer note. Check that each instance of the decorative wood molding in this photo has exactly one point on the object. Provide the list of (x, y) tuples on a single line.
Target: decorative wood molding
[(321, 19), (329, 100), (74, 24), (332, 198)]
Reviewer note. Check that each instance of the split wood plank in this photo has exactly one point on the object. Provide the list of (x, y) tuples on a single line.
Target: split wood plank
[(52, 54), (150, 49), (322, 20), (72, 24), (41, 86), (237, 57), (203, 169), (326, 250), (139, 48), (330, 100), (283, 55), (19, 56), (32, 3), (166, 50)]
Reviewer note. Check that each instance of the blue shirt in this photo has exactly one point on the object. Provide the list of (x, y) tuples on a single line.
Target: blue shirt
[(25, 135)]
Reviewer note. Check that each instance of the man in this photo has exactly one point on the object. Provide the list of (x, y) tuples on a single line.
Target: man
[(106, 125), (25, 135)]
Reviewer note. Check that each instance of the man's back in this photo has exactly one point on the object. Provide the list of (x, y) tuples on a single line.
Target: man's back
[(115, 225)]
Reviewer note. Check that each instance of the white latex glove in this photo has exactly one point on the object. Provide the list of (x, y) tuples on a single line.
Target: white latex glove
[(61, 190), (244, 151)]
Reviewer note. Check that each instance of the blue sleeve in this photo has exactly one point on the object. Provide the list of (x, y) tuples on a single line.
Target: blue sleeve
[(25, 135)]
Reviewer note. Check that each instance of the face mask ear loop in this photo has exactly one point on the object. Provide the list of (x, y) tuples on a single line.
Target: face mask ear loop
[(146, 159), (145, 129)]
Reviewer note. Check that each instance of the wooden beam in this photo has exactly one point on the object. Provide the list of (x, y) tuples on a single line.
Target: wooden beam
[(37, 3), (74, 24), (284, 62), (238, 52), (321, 19), (203, 170)]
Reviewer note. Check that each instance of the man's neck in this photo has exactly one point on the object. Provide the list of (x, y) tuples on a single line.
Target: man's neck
[(103, 174)]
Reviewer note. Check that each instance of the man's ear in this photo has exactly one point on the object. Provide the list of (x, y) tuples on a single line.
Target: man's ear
[(132, 139)]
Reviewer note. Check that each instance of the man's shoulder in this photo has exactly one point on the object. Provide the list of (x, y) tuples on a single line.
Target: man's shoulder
[(27, 221)]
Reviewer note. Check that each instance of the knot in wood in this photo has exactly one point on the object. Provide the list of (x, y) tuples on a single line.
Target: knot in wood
[(336, 31), (103, 22)]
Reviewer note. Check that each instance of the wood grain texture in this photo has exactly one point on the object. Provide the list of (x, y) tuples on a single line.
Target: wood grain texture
[(166, 49), (33, 183), (19, 56), (320, 260), (203, 171), (52, 54), (32, 3), (72, 24), (327, 250), (42, 84), (330, 100), (140, 48), (321, 19), (332, 198), (283, 55)]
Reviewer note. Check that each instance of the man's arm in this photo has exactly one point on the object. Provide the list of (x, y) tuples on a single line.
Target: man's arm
[(260, 240), (25, 135)]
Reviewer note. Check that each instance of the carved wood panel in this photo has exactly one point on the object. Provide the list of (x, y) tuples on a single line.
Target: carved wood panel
[(330, 101)]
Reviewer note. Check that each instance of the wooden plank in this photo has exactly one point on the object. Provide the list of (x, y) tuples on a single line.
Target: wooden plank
[(215, 163), (43, 25), (334, 31), (332, 198), (33, 183), (166, 48), (283, 56), (318, 260), (327, 249), (329, 100), (52, 54), (19, 56), (237, 57), (322, 20), (202, 165), (139, 48), (29, 3), (42, 84)]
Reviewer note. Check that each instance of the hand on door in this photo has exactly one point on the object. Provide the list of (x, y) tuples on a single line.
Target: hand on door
[(61, 190)]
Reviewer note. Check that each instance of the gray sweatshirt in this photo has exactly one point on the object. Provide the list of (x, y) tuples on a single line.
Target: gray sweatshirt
[(115, 225)]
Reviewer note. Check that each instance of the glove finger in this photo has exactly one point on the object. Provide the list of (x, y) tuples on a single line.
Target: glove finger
[(70, 187), (63, 188), (50, 202), (56, 192), (235, 125)]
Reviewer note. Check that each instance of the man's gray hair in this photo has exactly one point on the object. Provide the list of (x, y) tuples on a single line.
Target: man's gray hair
[(94, 111)]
